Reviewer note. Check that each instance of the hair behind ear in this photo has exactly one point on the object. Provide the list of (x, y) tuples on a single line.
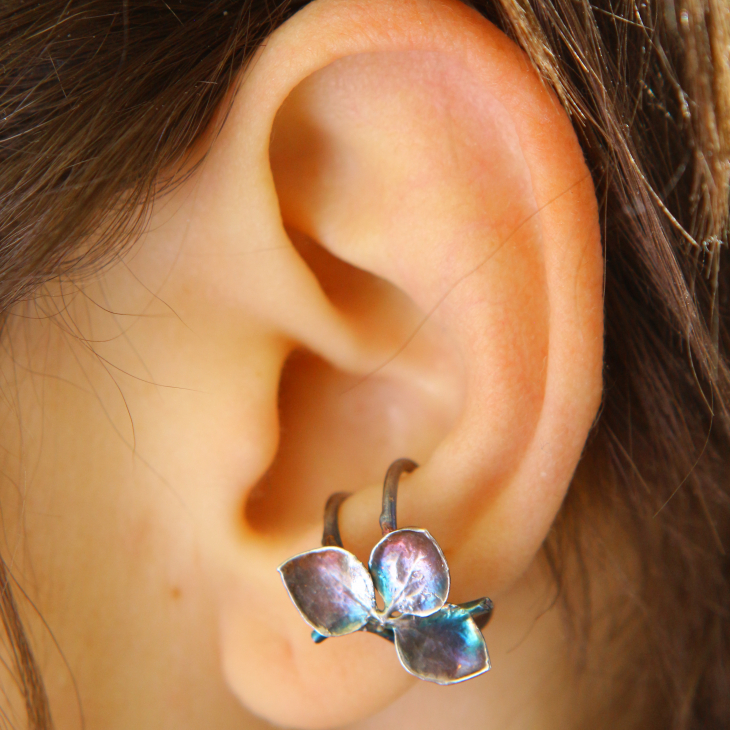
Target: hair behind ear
[(660, 162)]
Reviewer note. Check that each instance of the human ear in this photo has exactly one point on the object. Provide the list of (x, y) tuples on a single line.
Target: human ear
[(393, 245)]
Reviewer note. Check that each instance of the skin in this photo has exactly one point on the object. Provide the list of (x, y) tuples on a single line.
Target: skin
[(391, 250)]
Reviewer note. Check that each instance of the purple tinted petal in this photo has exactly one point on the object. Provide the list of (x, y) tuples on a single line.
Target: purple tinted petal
[(410, 572), (331, 588), (446, 647)]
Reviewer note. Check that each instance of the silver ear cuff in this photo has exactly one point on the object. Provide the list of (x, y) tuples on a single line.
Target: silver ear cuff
[(335, 594)]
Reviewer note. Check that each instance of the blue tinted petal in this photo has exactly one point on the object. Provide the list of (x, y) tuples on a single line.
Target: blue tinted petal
[(446, 647), (410, 572), (331, 588)]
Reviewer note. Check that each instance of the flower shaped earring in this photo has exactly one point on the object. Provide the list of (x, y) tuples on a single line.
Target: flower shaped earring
[(335, 594)]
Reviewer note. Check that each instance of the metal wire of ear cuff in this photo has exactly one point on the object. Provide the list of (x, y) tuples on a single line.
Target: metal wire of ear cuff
[(335, 594)]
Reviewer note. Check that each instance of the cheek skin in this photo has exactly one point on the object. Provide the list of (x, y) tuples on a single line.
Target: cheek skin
[(101, 471)]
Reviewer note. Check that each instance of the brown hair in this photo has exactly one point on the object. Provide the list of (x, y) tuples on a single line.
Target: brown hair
[(99, 98)]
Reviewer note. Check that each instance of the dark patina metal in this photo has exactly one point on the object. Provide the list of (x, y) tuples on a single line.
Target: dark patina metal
[(335, 594)]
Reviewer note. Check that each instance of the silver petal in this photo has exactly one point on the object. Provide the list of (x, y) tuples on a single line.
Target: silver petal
[(446, 647), (410, 572), (331, 589)]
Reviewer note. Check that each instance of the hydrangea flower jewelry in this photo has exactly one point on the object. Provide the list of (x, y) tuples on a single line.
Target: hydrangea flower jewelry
[(335, 594)]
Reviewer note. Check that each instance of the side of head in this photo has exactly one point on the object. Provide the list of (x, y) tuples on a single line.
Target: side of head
[(387, 242)]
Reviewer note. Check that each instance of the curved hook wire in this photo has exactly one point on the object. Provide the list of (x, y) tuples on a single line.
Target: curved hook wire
[(388, 522), (331, 535)]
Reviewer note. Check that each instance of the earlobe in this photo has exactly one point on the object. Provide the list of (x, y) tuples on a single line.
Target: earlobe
[(428, 279)]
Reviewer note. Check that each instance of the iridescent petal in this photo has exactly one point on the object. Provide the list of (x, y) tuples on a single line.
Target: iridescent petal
[(445, 647), (410, 572), (331, 588)]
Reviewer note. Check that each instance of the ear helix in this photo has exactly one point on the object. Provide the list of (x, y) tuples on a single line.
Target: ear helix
[(335, 594)]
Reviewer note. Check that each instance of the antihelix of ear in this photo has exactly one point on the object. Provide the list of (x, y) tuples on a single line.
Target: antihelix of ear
[(335, 594)]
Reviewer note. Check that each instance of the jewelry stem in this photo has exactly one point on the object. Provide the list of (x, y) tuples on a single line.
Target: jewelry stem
[(331, 535), (388, 521), (480, 610)]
